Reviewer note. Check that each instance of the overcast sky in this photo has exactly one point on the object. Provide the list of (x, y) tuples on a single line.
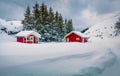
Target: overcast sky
[(82, 12)]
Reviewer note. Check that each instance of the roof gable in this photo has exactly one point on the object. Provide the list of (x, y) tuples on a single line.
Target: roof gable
[(27, 33), (77, 33)]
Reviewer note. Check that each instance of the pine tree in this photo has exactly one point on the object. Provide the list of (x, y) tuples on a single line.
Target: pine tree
[(51, 24), (51, 16), (56, 17), (55, 28), (44, 14), (60, 28), (27, 22), (69, 26), (65, 26), (45, 22), (36, 18)]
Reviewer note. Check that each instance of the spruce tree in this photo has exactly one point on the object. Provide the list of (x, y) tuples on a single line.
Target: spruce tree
[(44, 14), (56, 17), (36, 18), (45, 22), (65, 26), (55, 32), (51, 16), (27, 22), (60, 28), (51, 24), (69, 26)]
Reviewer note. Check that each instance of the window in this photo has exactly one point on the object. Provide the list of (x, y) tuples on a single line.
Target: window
[(27, 38), (77, 38), (67, 39), (31, 38)]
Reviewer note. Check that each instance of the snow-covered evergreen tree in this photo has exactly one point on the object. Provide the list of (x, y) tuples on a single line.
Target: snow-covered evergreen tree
[(45, 23), (27, 22), (60, 28), (50, 25), (69, 26), (36, 18)]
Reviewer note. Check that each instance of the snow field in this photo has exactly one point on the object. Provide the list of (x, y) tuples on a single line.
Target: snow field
[(56, 59)]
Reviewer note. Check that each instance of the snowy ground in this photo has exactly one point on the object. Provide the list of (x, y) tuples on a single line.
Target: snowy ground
[(96, 58)]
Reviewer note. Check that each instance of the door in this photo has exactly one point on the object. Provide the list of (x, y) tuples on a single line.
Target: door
[(32, 39), (67, 39)]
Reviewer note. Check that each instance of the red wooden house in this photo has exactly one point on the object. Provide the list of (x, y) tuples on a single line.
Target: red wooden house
[(28, 37), (76, 36)]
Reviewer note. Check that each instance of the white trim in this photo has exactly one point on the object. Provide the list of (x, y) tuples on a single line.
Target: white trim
[(32, 39)]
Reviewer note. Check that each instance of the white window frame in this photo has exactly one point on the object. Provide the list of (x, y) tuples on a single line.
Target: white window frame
[(31, 38), (77, 38)]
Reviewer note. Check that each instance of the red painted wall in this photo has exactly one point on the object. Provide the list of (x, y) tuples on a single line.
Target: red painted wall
[(23, 40), (20, 39), (72, 38)]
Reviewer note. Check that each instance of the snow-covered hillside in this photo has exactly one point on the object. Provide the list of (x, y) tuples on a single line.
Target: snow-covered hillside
[(105, 28), (10, 26)]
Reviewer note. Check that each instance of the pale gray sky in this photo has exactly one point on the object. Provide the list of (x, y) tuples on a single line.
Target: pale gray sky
[(82, 12)]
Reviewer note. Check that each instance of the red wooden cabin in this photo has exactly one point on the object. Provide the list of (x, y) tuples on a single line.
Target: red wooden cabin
[(28, 37), (76, 36)]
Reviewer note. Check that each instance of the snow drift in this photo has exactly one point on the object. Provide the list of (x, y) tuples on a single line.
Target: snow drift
[(88, 64), (56, 59)]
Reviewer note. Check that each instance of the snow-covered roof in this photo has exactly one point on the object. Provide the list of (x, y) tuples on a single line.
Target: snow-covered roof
[(26, 33), (78, 33)]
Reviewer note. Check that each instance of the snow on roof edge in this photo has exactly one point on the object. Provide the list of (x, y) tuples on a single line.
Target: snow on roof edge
[(78, 33), (26, 33)]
